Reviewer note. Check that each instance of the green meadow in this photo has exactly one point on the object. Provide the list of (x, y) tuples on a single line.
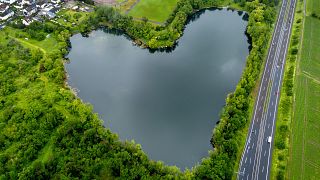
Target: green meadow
[(154, 10), (304, 161)]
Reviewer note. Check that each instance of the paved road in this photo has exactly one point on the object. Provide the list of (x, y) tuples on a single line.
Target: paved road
[(256, 158)]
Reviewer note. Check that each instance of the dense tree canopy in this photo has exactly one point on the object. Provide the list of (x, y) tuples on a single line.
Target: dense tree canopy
[(46, 132)]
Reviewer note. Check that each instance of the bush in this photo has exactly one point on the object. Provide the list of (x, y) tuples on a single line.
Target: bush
[(280, 143), (280, 175), (294, 51)]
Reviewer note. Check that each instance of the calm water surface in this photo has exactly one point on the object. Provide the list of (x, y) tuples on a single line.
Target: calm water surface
[(167, 102)]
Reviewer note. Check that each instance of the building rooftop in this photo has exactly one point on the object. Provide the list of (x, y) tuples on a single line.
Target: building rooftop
[(3, 7)]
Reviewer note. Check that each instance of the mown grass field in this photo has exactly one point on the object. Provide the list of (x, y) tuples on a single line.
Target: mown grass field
[(154, 10), (304, 162), (313, 6)]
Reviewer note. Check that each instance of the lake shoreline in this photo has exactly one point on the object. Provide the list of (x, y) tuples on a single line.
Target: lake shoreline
[(213, 32)]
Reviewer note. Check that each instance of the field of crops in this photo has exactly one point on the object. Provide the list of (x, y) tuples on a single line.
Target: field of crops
[(305, 139)]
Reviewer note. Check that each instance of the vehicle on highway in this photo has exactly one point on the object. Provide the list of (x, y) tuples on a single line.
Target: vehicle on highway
[(269, 139)]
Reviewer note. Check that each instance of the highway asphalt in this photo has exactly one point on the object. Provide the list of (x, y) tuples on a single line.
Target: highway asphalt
[(256, 158)]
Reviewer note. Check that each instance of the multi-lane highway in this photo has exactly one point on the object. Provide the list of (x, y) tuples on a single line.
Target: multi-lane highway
[(256, 158)]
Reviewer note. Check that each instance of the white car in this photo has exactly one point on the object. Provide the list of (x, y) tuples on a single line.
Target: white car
[(269, 139)]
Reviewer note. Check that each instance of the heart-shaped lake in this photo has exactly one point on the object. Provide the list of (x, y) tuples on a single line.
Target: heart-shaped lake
[(167, 102)]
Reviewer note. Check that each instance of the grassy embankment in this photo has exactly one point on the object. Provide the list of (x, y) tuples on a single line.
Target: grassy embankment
[(297, 144)]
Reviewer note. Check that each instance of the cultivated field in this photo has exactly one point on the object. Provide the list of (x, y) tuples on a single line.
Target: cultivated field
[(305, 139), (154, 10)]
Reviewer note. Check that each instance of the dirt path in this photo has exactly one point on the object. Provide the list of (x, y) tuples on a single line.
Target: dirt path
[(29, 44), (134, 4), (108, 2)]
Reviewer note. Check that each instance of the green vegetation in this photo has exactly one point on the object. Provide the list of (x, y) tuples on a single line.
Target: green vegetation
[(71, 19), (162, 37), (305, 145), (297, 140), (154, 10), (228, 135), (280, 154), (46, 132)]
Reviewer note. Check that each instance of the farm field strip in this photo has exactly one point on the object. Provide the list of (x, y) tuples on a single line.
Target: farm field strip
[(305, 153)]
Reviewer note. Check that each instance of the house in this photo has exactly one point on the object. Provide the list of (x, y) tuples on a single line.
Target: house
[(42, 4), (55, 1), (49, 11), (3, 8), (75, 8), (27, 21), (37, 18), (50, 15), (28, 2), (30, 10), (6, 14), (8, 1), (55, 10), (18, 4)]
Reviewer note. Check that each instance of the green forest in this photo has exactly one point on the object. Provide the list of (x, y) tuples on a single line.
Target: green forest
[(46, 132)]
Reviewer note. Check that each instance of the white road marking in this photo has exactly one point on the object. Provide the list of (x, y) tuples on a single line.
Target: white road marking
[(292, 15), (275, 34)]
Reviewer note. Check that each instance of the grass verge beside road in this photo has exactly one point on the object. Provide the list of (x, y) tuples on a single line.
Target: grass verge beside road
[(281, 145)]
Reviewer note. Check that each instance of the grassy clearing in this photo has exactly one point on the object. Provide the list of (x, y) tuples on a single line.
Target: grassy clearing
[(305, 144), (154, 10), (46, 45), (70, 18)]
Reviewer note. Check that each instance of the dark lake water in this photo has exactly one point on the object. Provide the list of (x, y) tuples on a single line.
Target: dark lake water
[(169, 102)]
